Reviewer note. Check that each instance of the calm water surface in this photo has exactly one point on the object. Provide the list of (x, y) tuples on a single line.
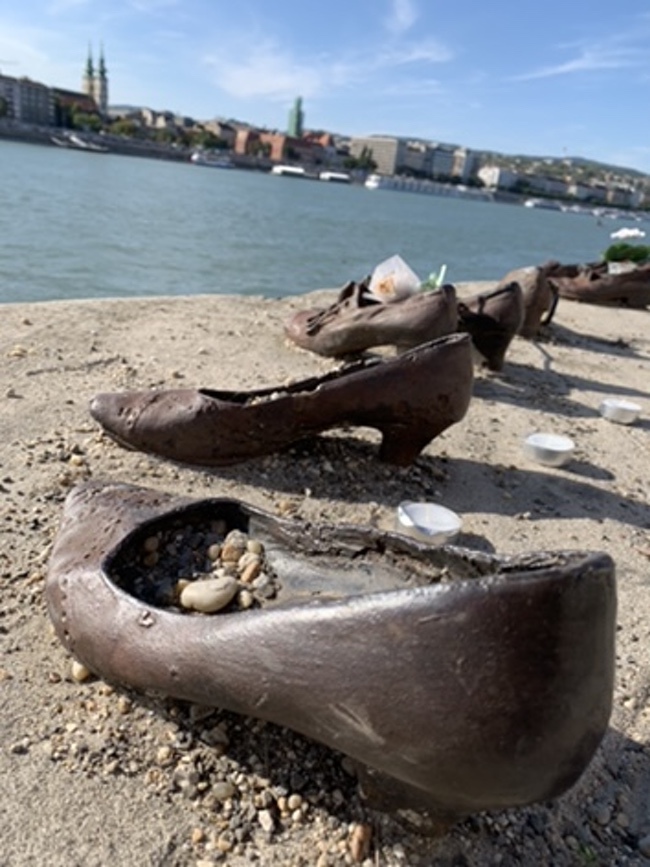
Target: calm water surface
[(77, 225)]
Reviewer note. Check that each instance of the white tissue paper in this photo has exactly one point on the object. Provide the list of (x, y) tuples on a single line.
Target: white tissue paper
[(393, 280)]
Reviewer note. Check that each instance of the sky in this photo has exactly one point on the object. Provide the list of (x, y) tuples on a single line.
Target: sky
[(561, 78)]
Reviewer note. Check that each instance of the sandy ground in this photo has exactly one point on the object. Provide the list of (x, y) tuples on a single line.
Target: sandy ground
[(92, 775)]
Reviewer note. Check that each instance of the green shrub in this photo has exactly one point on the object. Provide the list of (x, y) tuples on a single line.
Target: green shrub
[(627, 253)]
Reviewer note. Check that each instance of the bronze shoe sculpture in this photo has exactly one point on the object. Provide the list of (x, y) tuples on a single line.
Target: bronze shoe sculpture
[(493, 319), (461, 681), (597, 286), (357, 322), (410, 399), (540, 298)]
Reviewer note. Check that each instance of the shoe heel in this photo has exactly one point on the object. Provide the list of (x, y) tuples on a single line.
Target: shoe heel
[(401, 445), (494, 350)]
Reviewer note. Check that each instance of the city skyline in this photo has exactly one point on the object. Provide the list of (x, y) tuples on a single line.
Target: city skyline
[(555, 81)]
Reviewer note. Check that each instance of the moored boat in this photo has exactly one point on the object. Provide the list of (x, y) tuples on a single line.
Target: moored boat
[(215, 162), (335, 177), (76, 142), (289, 171)]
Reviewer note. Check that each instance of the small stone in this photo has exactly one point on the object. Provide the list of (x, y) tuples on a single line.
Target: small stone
[(223, 790), (261, 581), (231, 553), (644, 846), (164, 755), (224, 843), (197, 836), (622, 820), (245, 599), (294, 802), (216, 735), (254, 546), (265, 818), (214, 552), (79, 671), (151, 544), (359, 841), (234, 546), (210, 595), (251, 571), (186, 778)]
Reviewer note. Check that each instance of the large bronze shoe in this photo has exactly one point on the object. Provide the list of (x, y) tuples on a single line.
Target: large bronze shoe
[(493, 319), (357, 322), (540, 298), (410, 399), (594, 285), (461, 681)]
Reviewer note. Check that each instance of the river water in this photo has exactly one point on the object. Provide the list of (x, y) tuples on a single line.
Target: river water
[(83, 225)]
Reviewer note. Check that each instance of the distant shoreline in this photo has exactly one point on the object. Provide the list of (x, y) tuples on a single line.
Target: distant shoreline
[(40, 135)]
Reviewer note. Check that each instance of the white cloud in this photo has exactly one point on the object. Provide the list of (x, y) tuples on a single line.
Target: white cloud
[(587, 61), (264, 71), (260, 67), (623, 50), (403, 15), (428, 51)]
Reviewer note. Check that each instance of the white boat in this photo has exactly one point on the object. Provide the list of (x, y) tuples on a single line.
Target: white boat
[(289, 171), (202, 159), (374, 182), (621, 234), (543, 204), (425, 187), (76, 142), (335, 177)]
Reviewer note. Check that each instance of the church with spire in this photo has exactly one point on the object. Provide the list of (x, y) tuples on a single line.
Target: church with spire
[(95, 82)]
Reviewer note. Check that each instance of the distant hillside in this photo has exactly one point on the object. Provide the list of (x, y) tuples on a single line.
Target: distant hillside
[(605, 167), (580, 167)]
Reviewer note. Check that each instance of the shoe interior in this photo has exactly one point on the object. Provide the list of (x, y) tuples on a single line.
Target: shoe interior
[(278, 562)]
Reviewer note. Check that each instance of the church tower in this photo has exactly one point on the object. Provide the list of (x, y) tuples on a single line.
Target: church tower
[(296, 119), (101, 86), (95, 82), (88, 80)]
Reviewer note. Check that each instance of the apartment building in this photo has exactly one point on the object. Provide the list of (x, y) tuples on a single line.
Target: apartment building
[(388, 152), (26, 101), (412, 156)]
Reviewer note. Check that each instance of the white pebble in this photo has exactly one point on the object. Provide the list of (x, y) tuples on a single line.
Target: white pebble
[(245, 599), (79, 671), (210, 595), (265, 818)]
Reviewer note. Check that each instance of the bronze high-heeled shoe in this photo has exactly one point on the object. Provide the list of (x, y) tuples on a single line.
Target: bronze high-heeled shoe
[(410, 399), (356, 322), (461, 681), (492, 319), (594, 285), (539, 295)]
